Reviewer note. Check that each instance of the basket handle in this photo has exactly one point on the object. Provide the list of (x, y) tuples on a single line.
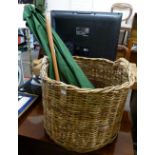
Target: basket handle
[(36, 66), (133, 75), (131, 68)]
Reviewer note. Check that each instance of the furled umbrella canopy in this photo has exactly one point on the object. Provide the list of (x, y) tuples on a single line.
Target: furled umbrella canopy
[(69, 70)]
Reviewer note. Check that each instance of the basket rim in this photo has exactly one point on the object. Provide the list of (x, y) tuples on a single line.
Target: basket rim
[(125, 85), (86, 90)]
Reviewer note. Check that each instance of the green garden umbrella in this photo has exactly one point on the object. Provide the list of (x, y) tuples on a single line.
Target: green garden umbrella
[(69, 70)]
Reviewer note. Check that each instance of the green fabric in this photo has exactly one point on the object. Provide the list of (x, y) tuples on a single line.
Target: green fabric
[(69, 70), (39, 4)]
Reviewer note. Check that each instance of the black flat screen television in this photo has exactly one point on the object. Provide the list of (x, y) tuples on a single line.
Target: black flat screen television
[(89, 34)]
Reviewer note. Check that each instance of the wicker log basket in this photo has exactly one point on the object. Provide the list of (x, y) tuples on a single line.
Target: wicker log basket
[(84, 119)]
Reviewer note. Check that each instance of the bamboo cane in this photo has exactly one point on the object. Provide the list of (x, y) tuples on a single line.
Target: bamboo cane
[(50, 38)]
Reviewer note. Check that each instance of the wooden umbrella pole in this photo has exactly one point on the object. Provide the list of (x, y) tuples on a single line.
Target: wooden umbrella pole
[(51, 43)]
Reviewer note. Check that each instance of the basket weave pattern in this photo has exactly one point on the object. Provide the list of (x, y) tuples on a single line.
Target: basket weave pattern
[(82, 119)]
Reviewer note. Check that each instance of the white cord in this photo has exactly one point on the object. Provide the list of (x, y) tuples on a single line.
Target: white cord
[(19, 76)]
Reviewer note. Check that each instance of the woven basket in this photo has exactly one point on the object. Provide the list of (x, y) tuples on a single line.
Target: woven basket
[(84, 119)]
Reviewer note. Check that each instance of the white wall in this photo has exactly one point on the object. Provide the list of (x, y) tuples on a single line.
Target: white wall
[(58, 4), (21, 22), (81, 5), (87, 5)]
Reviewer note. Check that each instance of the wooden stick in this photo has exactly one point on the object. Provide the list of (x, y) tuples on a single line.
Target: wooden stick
[(50, 38)]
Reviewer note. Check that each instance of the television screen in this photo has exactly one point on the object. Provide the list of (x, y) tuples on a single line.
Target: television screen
[(89, 34)]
